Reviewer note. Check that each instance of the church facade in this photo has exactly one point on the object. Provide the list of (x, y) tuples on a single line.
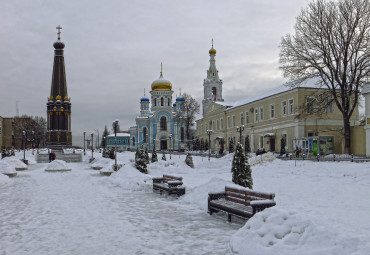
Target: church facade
[(159, 126)]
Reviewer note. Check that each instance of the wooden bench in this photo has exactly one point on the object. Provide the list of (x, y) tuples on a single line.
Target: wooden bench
[(169, 184), (243, 203)]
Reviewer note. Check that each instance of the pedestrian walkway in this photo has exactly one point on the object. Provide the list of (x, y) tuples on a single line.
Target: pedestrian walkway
[(80, 212)]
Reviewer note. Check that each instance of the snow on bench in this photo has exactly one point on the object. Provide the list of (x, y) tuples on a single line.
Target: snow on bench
[(169, 184), (243, 203)]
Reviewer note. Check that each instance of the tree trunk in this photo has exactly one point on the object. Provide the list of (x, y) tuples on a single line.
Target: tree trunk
[(347, 135)]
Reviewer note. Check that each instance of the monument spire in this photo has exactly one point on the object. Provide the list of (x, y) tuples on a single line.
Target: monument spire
[(59, 104)]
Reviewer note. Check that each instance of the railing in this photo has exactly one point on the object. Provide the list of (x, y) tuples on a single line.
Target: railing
[(330, 157)]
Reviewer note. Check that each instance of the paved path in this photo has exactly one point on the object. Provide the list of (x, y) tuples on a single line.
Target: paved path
[(79, 212)]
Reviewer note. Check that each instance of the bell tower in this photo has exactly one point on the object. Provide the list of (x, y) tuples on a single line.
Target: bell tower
[(59, 104), (212, 84)]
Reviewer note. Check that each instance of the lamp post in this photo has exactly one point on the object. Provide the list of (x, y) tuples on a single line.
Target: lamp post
[(115, 125), (97, 141), (84, 143), (209, 132), (240, 130), (170, 136), (105, 141), (33, 139), (24, 145), (92, 146)]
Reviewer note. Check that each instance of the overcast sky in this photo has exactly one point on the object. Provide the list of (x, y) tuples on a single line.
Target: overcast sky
[(114, 49)]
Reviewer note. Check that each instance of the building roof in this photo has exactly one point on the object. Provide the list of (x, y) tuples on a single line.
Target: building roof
[(311, 83), (120, 135)]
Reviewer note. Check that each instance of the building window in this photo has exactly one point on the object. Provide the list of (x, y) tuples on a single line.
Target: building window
[(222, 123), (144, 135), (272, 111), (217, 125), (310, 104), (283, 108), (234, 121), (214, 91), (182, 134), (163, 123), (228, 122), (241, 118), (261, 113), (168, 102), (133, 141), (329, 105), (162, 101), (291, 106), (246, 117), (256, 115), (155, 101)]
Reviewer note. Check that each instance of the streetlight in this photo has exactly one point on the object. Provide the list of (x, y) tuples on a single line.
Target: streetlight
[(209, 132), (33, 138), (115, 126), (97, 141), (92, 146), (105, 142), (170, 136), (24, 145), (84, 143), (240, 130)]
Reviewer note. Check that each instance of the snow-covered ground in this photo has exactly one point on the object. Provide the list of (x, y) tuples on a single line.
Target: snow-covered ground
[(322, 208)]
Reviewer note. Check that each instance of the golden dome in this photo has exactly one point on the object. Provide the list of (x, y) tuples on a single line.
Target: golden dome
[(161, 84), (212, 51)]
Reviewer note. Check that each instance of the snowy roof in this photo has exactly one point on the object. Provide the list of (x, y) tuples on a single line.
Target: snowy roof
[(120, 134), (311, 83)]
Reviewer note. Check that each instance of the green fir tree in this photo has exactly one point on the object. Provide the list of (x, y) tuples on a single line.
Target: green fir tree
[(282, 145), (147, 159), (241, 170), (231, 145), (164, 157), (154, 155), (140, 161)]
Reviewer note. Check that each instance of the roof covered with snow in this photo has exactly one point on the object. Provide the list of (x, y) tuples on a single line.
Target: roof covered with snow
[(120, 134)]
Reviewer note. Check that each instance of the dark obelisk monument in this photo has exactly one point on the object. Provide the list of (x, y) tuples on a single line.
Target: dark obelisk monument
[(59, 104)]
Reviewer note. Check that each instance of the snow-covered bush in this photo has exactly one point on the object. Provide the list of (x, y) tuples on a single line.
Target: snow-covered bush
[(241, 170), (189, 160), (164, 157)]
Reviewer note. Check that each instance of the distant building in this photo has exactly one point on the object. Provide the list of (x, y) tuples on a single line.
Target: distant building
[(121, 141), (272, 115), (159, 125)]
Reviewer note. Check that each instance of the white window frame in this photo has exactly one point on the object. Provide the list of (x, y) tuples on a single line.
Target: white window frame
[(284, 108), (256, 115), (228, 121), (272, 111), (222, 123), (217, 124), (261, 114), (246, 117), (241, 118), (329, 108), (291, 106), (233, 121)]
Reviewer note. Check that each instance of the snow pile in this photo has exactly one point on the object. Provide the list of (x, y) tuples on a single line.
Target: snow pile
[(275, 230), (19, 165), (101, 163), (4, 179), (199, 194), (266, 157), (57, 166), (43, 151), (7, 168), (131, 179)]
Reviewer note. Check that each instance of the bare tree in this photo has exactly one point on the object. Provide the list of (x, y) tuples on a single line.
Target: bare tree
[(187, 114), (34, 127), (331, 42)]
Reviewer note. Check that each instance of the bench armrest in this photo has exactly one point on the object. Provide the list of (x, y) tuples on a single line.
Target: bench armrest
[(260, 205), (214, 196), (158, 179)]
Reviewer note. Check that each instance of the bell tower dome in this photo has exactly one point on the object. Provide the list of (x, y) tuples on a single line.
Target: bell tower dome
[(212, 84)]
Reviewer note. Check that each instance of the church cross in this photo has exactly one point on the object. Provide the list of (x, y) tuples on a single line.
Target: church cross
[(59, 28)]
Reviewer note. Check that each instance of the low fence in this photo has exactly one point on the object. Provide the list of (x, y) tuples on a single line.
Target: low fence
[(325, 158)]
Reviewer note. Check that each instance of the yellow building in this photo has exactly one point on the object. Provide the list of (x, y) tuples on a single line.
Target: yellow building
[(284, 111)]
